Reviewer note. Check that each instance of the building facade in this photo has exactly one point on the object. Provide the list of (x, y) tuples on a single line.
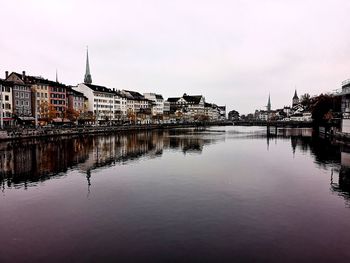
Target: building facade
[(6, 103), (101, 100), (21, 96), (76, 100), (158, 103), (187, 106)]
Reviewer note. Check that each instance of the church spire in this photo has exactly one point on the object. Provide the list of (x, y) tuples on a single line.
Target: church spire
[(56, 76), (295, 100), (87, 77), (269, 104), (295, 95)]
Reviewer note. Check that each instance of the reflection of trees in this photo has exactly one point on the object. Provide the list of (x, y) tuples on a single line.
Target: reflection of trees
[(342, 185), (38, 160), (329, 155), (324, 151), (342, 188)]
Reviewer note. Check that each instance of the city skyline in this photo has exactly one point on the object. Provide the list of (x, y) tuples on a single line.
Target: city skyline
[(235, 53)]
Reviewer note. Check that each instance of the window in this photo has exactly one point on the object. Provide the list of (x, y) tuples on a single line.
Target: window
[(6, 97), (27, 95)]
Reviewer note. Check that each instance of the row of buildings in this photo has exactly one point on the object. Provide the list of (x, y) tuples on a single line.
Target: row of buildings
[(295, 112), (28, 99)]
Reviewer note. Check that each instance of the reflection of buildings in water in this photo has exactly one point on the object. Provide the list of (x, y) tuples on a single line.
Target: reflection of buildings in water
[(303, 132), (322, 150), (37, 160), (186, 144), (342, 188)]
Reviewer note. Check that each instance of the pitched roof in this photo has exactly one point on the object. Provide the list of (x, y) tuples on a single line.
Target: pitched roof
[(37, 80), (98, 88), (158, 96), (5, 82), (173, 99), (211, 105), (75, 92), (135, 95), (223, 108), (193, 99), (40, 80)]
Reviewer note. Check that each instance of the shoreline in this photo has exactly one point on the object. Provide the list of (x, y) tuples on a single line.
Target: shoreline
[(27, 133)]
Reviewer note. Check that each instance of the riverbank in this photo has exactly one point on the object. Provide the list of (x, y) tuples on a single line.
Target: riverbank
[(25, 133), (282, 124)]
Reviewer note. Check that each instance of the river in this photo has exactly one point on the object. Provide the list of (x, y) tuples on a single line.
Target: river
[(222, 194)]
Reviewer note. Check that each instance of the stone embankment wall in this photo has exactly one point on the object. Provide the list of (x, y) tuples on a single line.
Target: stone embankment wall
[(13, 134)]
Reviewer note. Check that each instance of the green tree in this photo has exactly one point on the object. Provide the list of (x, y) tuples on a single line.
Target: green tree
[(321, 107), (305, 100)]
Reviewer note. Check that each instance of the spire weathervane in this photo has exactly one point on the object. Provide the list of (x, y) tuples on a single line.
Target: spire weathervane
[(87, 77)]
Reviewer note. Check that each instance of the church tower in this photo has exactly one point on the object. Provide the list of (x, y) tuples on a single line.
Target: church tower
[(87, 77), (268, 104), (295, 99)]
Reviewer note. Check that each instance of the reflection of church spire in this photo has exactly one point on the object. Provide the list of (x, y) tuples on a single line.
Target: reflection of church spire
[(88, 176), (294, 142), (87, 78), (3, 186), (268, 142)]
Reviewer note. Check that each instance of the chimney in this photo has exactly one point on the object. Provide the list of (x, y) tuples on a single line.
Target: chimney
[(23, 75), (6, 74)]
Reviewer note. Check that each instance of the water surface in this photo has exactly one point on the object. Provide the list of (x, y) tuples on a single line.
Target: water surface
[(226, 194)]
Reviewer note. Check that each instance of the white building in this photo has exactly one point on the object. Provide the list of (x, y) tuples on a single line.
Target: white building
[(166, 107), (212, 112), (136, 102), (190, 106), (158, 103), (103, 102)]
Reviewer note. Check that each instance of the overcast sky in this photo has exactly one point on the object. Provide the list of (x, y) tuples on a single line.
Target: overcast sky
[(233, 52)]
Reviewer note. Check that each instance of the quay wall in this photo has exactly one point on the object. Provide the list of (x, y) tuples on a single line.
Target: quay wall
[(14, 134)]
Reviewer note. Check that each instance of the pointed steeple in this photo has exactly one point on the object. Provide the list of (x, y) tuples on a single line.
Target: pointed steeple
[(269, 104), (56, 76), (87, 78), (295, 100), (295, 95)]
